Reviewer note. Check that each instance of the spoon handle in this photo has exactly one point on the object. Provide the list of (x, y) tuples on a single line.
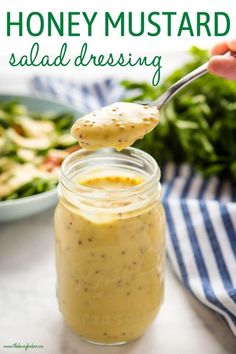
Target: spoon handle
[(176, 87)]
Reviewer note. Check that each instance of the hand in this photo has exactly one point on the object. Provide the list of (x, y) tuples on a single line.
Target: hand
[(223, 66)]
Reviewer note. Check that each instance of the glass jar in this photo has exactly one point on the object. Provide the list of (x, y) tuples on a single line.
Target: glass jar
[(110, 244)]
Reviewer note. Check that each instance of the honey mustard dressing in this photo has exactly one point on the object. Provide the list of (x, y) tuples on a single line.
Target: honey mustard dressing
[(112, 182), (118, 125), (110, 271)]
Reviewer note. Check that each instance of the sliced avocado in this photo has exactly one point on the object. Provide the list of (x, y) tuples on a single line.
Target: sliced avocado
[(26, 155), (39, 143), (35, 128), (65, 140)]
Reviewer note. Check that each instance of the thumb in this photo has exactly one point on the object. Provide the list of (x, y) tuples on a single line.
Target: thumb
[(223, 66)]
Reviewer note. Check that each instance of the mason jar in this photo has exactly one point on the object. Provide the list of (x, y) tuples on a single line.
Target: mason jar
[(110, 244)]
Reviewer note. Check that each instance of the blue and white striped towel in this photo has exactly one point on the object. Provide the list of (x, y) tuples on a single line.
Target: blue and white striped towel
[(201, 214)]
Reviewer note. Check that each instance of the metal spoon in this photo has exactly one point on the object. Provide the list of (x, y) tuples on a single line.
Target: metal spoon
[(172, 91), (132, 123)]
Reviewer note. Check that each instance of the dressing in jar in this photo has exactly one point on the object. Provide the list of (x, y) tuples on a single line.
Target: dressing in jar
[(110, 244)]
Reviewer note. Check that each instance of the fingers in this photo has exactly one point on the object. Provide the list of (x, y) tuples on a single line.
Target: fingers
[(224, 66), (219, 48), (222, 47)]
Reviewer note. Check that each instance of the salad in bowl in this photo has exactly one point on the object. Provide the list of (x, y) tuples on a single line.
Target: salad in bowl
[(34, 140)]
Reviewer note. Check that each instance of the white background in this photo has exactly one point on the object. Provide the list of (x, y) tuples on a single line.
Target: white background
[(98, 43)]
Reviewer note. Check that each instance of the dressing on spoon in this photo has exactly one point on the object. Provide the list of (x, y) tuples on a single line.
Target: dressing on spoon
[(118, 125)]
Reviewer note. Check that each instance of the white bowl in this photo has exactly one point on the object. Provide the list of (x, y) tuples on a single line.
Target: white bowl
[(22, 207)]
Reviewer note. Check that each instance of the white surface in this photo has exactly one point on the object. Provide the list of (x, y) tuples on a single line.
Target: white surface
[(29, 311)]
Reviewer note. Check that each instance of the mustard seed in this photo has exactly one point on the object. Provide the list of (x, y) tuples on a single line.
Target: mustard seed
[(69, 225)]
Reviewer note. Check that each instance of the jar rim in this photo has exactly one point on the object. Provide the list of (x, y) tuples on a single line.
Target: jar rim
[(83, 155)]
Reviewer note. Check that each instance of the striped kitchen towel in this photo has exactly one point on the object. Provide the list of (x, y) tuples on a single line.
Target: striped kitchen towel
[(201, 242), (201, 214), (85, 97)]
